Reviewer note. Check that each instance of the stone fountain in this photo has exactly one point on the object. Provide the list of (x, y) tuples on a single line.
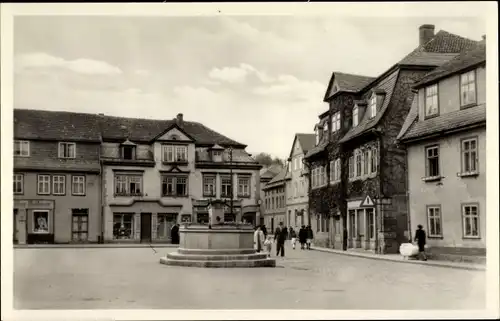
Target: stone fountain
[(217, 244)]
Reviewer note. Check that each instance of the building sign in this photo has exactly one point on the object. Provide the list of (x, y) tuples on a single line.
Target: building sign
[(367, 202)]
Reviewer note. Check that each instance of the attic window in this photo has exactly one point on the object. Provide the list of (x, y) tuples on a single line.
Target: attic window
[(373, 106), (317, 135), (355, 115), (174, 137), (128, 152)]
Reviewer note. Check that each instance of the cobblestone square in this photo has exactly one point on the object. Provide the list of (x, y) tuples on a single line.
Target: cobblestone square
[(132, 278)]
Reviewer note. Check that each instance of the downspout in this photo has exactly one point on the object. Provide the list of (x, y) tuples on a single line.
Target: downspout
[(407, 183), (101, 196)]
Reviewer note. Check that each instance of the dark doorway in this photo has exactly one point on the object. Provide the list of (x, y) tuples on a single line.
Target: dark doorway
[(272, 223), (145, 227), (15, 227)]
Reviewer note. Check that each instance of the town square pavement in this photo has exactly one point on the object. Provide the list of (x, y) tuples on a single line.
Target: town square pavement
[(132, 278)]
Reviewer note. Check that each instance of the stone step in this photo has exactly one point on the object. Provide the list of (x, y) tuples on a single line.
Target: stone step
[(220, 264), (216, 251), (209, 257)]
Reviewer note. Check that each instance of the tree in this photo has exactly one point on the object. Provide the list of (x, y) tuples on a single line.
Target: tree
[(267, 160)]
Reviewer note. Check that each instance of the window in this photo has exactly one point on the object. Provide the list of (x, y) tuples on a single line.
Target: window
[(337, 170), (373, 106), (371, 222), (366, 161), (21, 148), (67, 150), (325, 129), (431, 100), (41, 222), (174, 185), (128, 152), (351, 167), (432, 168), (468, 88), (355, 115), (244, 186), (78, 185), (209, 185), (335, 122), (434, 221), (353, 232), (332, 171), (80, 224), (58, 184), (322, 174), (358, 163), (18, 181), (43, 184), (469, 155), (126, 185), (174, 153), (374, 159), (165, 222), (123, 226), (225, 181), (470, 214), (317, 136)]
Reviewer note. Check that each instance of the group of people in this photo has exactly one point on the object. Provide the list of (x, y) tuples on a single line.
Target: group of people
[(263, 241)]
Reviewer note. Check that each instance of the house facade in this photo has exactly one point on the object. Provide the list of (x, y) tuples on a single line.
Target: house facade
[(266, 175), (445, 136), (149, 175), (297, 189), (371, 194), (275, 200), (56, 182)]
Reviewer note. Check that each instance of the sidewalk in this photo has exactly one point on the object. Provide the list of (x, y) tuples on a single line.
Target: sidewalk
[(399, 258), (94, 245)]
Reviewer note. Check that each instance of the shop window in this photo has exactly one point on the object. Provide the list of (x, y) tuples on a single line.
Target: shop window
[(165, 222), (41, 222), (123, 226), (80, 225)]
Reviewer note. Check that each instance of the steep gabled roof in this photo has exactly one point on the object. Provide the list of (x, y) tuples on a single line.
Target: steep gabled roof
[(467, 59), (306, 141), (62, 125), (271, 171), (282, 175), (437, 51), (451, 121), (346, 83), (32, 124)]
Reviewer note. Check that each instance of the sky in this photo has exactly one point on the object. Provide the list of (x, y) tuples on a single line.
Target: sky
[(256, 79)]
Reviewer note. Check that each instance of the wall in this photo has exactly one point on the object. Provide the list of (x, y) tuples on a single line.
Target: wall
[(61, 222), (451, 193)]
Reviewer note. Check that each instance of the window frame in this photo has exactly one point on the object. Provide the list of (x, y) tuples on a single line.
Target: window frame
[(461, 84), (175, 148), (38, 181), (355, 116), (335, 122), (476, 205), (358, 163), (352, 172), (231, 186), (212, 177), (133, 152), (463, 171), (49, 221), (132, 224), (437, 110), (428, 209), (21, 143), (21, 182), (127, 184), (54, 184), (174, 177), (62, 149), (427, 167), (373, 159), (373, 106), (84, 184), (244, 177)]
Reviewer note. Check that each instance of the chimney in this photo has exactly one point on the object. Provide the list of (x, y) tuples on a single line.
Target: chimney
[(483, 41), (426, 33), (180, 120)]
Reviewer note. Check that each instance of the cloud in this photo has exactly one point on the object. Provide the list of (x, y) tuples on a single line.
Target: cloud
[(41, 60), (231, 74), (142, 72)]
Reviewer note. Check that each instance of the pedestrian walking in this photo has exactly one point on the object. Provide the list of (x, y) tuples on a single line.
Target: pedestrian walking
[(264, 230), (302, 237), (258, 239), (293, 236), (280, 238), (310, 236), (174, 234), (420, 239), (268, 245)]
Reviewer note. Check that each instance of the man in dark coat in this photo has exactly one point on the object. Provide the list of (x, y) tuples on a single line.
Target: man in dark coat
[(280, 237), (302, 237), (175, 234), (309, 236), (420, 239), (264, 230)]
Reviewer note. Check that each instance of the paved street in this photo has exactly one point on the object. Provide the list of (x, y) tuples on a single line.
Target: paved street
[(132, 278)]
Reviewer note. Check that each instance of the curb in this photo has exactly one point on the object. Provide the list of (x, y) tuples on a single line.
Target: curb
[(95, 246), (383, 258)]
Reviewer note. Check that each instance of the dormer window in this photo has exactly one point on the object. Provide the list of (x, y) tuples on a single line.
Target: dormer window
[(373, 106), (335, 122), (216, 153), (355, 116), (317, 135), (431, 101), (325, 129), (128, 150)]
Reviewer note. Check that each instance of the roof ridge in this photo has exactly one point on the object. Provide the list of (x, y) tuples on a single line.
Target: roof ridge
[(350, 74)]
